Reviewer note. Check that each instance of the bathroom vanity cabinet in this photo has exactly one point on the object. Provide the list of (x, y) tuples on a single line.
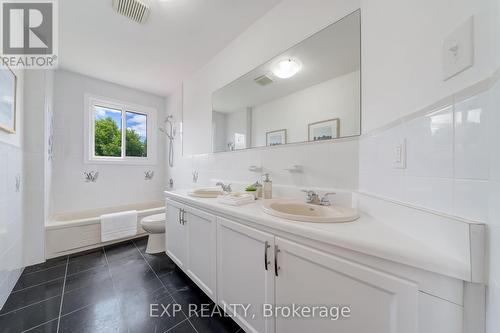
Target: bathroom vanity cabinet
[(191, 243), (245, 272), (236, 261), (254, 267)]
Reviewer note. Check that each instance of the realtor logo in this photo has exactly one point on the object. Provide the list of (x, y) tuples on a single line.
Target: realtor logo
[(29, 33)]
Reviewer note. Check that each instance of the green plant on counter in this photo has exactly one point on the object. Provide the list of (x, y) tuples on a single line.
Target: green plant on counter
[(251, 188)]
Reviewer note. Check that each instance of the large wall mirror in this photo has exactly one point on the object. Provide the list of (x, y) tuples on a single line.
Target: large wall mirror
[(309, 93)]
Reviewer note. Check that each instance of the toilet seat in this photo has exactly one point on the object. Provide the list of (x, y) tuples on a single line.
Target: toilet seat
[(154, 223)]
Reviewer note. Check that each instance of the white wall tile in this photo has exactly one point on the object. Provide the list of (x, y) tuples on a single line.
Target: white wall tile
[(11, 218), (471, 198), (494, 132), (3, 172), (345, 161), (275, 160), (367, 154), (450, 153), (493, 299), (429, 142), (318, 166), (325, 165), (493, 295), (430, 193), (471, 138)]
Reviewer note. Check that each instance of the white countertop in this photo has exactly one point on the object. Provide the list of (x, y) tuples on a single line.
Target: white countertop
[(366, 235)]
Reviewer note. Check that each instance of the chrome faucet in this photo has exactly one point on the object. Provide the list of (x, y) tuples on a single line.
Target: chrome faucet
[(313, 198), (226, 188)]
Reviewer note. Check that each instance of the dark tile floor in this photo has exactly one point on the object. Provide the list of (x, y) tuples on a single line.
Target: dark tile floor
[(109, 289)]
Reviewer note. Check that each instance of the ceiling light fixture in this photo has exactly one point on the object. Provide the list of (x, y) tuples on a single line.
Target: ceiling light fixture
[(287, 68)]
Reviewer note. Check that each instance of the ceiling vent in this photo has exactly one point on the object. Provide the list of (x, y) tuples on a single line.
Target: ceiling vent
[(263, 80), (133, 9)]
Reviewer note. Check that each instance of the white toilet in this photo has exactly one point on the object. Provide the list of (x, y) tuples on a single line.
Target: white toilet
[(154, 225)]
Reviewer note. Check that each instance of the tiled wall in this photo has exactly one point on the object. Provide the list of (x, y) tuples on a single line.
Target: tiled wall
[(37, 85), (447, 154), (11, 218), (11, 198), (325, 165), (453, 166), (493, 296)]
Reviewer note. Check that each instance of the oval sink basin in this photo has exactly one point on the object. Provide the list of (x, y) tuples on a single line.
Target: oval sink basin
[(299, 211)]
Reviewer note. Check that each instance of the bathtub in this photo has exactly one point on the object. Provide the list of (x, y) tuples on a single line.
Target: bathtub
[(78, 231)]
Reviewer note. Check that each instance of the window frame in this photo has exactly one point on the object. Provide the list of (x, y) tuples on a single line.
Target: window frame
[(91, 102)]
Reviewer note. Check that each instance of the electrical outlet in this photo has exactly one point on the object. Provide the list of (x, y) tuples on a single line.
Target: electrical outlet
[(400, 155), (458, 50)]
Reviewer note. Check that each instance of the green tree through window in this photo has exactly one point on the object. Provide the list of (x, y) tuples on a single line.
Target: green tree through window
[(134, 145), (108, 133), (108, 138)]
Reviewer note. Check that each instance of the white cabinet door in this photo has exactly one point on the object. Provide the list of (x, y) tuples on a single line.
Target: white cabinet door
[(378, 302), (242, 277), (176, 234), (202, 249)]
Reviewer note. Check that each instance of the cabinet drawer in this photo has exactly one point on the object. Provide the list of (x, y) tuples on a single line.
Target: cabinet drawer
[(378, 302)]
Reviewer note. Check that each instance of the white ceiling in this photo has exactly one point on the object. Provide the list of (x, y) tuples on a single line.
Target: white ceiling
[(179, 37), (332, 52)]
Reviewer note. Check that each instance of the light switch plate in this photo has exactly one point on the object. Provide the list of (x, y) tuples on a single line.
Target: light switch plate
[(400, 155), (458, 50)]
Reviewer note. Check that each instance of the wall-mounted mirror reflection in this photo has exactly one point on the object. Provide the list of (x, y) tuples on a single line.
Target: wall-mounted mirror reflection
[(311, 92)]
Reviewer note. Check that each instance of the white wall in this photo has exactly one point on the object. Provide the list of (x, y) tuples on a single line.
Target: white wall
[(402, 54), (493, 296), (178, 173), (401, 48), (453, 167), (280, 28), (326, 165), (38, 86), (450, 157), (335, 98), (117, 184), (401, 74), (11, 201)]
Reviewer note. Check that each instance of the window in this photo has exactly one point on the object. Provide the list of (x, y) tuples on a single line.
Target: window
[(136, 136), (119, 132), (239, 141), (107, 132)]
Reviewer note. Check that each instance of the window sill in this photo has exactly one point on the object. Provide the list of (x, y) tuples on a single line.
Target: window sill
[(147, 161)]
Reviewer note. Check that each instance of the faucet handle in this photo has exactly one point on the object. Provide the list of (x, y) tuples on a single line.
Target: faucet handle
[(225, 188), (325, 201), (311, 195)]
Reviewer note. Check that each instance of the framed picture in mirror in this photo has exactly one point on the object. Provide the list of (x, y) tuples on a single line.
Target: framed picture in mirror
[(8, 82), (324, 130), (275, 138)]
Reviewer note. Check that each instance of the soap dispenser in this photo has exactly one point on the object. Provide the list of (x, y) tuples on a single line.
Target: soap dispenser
[(267, 187)]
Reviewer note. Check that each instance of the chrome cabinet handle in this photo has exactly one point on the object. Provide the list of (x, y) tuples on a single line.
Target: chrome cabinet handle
[(179, 217), (183, 221), (276, 267), (266, 262)]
